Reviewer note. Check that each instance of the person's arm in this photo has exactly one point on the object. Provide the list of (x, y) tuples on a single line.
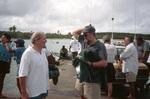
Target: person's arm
[(126, 53), (9, 63), (77, 33), (143, 56), (9, 49), (69, 48), (146, 50), (99, 64), (119, 64), (24, 94)]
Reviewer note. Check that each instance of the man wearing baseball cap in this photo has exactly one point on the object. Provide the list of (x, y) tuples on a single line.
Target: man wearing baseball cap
[(18, 51), (20, 41), (91, 89)]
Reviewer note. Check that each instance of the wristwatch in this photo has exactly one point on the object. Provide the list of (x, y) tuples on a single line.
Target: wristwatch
[(91, 65)]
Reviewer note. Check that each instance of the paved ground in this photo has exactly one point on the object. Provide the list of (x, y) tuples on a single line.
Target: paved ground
[(65, 86)]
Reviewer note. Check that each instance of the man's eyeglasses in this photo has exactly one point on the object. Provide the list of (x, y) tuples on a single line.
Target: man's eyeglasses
[(85, 35)]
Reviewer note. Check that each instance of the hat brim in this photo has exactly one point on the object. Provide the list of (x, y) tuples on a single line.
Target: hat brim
[(84, 31)]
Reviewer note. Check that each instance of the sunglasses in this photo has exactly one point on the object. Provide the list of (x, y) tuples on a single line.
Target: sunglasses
[(85, 34)]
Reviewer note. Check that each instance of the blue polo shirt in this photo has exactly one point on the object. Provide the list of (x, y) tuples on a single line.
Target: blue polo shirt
[(18, 53), (4, 54)]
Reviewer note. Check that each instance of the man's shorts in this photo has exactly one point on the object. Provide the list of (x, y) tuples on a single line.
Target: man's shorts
[(88, 90), (130, 77), (4, 67), (74, 54)]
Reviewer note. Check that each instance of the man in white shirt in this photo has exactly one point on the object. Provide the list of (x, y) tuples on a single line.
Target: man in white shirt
[(130, 64), (111, 52), (74, 47), (33, 72)]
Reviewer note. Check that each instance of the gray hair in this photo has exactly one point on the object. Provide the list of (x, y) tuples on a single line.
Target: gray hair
[(106, 38), (130, 38), (36, 35)]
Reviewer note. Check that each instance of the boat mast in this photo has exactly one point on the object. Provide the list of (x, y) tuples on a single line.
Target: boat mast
[(90, 12), (135, 22), (112, 22)]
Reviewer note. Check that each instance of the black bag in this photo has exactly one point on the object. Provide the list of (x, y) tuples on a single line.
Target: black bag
[(53, 73)]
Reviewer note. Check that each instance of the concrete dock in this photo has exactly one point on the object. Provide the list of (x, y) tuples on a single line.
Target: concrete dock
[(66, 82)]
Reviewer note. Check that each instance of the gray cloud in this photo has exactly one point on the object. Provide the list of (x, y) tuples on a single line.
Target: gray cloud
[(68, 15)]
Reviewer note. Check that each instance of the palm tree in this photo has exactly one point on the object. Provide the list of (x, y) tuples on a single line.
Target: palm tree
[(14, 28), (10, 29), (58, 32)]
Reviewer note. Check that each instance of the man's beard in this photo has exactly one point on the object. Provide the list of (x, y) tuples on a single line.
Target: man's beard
[(87, 41)]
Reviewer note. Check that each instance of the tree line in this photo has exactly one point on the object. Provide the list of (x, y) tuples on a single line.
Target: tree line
[(99, 35)]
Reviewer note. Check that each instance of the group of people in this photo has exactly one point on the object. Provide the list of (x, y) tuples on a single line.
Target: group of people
[(73, 48), (134, 53), (6, 52), (32, 63)]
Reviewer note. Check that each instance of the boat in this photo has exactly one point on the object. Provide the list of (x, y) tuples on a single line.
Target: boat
[(56, 42), (119, 43)]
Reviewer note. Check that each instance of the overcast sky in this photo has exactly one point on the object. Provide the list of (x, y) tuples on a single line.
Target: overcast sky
[(50, 16)]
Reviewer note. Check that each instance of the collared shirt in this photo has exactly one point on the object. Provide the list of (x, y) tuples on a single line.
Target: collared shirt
[(18, 53), (145, 46), (148, 60), (111, 52), (74, 45), (4, 54), (34, 66), (130, 59), (98, 47)]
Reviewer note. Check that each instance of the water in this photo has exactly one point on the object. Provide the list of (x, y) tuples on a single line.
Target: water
[(10, 86)]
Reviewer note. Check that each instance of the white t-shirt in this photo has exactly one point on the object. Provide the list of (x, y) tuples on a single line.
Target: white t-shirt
[(148, 60), (111, 52), (74, 45), (34, 66), (130, 59)]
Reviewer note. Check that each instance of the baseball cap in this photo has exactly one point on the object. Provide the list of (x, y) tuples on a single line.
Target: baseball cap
[(73, 37), (89, 29), (19, 40)]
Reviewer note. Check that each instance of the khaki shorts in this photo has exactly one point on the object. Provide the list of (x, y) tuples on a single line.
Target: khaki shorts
[(88, 90), (130, 77)]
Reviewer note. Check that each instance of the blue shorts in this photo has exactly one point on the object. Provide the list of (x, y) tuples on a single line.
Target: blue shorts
[(43, 95)]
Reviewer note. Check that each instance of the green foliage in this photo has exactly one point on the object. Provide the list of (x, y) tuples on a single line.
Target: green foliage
[(99, 35), (121, 35)]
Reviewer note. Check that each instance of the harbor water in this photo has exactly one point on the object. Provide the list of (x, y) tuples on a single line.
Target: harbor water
[(53, 45)]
